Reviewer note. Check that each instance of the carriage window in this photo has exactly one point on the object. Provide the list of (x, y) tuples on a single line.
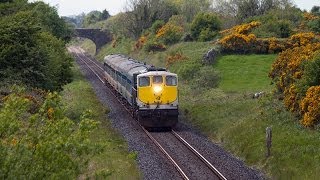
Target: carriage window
[(144, 81), (171, 81), (157, 79)]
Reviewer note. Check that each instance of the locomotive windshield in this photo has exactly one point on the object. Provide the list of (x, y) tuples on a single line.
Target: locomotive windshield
[(171, 81), (157, 80), (144, 81)]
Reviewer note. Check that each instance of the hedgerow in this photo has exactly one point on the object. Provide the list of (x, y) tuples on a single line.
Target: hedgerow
[(38, 141)]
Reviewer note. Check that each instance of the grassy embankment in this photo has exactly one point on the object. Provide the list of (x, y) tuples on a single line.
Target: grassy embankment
[(229, 115), (114, 162)]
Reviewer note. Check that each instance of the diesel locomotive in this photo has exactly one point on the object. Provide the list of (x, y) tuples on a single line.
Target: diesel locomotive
[(151, 92)]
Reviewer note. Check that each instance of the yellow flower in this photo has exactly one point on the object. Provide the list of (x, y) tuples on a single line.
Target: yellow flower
[(50, 113)]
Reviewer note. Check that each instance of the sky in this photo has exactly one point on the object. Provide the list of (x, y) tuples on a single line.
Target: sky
[(75, 7)]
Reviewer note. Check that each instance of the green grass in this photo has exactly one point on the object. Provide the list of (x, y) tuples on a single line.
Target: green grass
[(229, 115), (295, 152), (245, 72), (124, 46), (114, 162)]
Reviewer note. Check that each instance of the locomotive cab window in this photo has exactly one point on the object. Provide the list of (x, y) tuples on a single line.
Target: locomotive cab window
[(171, 81), (157, 80), (144, 81)]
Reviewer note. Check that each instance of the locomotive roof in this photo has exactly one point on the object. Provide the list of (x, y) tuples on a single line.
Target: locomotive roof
[(128, 66), (125, 65), (155, 73)]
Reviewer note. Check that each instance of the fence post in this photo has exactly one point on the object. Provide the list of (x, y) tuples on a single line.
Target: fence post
[(268, 140)]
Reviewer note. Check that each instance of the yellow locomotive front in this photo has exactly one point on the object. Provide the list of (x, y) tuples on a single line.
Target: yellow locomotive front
[(157, 99)]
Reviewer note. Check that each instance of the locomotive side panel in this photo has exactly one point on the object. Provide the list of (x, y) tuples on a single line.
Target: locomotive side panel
[(120, 75)]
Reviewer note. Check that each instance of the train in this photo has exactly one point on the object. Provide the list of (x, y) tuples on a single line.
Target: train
[(150, 92)]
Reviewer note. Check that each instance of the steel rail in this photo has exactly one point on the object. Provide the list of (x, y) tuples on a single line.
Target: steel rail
[(203, 159), (89, 67), (180, 171), (184, 176)]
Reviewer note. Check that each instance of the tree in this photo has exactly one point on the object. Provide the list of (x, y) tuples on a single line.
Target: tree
[(243, 9), (205, 25), (190, 8), (315, 10), (105, 15), (50, 20), (117, 26), (91, 18), (142, 13), (11, 7), (30, 55)]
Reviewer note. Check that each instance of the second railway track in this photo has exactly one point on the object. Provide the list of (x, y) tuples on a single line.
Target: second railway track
[(185, 158)]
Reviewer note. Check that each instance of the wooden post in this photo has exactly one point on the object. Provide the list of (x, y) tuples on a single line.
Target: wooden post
[(268, 140)]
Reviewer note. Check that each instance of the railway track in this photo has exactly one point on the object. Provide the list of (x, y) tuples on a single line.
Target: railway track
[(170, 143)]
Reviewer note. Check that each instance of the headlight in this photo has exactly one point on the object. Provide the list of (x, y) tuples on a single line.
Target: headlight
[(157, 89)]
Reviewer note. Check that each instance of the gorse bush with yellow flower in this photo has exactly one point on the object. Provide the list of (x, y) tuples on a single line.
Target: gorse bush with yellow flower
[(293, 78), (310, 107), (238, 43), (303, 39), (161, 34), (239, 39), (242, 29), (287, 68)]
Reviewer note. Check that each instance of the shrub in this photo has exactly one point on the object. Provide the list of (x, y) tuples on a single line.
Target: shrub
[(242, 28), (303, 39), (310, 107), (276, 45), (311, 73), (141, 42), (238, 43), (287, 68), (294, 71), (42, 144), (156, 26), (274, 28), (153, 45), (207, 77), (188, 70), (239, 39), (205, 22), (207, 35), (169, 33), (314, 25)]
